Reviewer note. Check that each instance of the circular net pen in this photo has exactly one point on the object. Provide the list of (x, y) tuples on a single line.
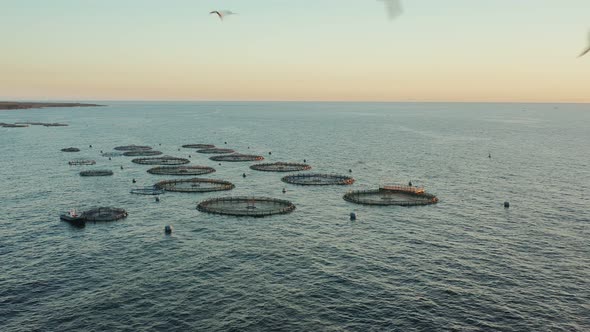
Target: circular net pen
[(281, 167), (198, 146), (104, 214), (133, 148), (112, 154), (237, 157), (181, 170), (246, 206), (194, 185), (142, 153), (392, 195), (164, 160), (216, 151), (318, 179), (70, 150), (81, 162), (98, 172)]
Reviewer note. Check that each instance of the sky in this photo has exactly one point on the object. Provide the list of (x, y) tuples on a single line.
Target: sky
[(296, 50)]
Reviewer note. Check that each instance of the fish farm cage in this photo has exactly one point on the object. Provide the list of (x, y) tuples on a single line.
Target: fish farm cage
[(318, 179), (164, 160), (281, 167), (198, 146), (81, 162), (215, 151), (181, 170), (112, 154), (237, 157), (133, 148), (142, 153), (246, 206), (194, 185), (98, 172), (70, 150), (153, 190), (392, 195)]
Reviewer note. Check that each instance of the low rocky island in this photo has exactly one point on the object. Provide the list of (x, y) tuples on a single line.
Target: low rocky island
[(14, 105)]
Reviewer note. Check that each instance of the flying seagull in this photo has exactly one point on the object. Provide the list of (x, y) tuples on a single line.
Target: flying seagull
[(222, 13), (393, 7), (587, 49)]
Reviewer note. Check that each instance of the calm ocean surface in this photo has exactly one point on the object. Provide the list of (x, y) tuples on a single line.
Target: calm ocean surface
[(465, 264)]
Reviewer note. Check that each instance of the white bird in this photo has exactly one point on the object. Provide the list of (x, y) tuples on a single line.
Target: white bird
[(222, 13), (587, 49), (393, 7)]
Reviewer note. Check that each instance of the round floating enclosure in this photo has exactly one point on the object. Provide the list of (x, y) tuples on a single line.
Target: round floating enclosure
[(237, 157), (281, 167), (104, 214), (164, 160), (112, 154), (216, 151), (148, 191), (81, 162), (142, 153), (194, 185), (98, 172), (70, 150), (181, 170), (246, 206), (198, 146), (392, 195), (133, 148), (318, 179)]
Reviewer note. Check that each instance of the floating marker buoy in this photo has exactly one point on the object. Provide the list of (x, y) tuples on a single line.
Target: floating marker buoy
[(160, 144), (189, 156), (350, 170), (410, 183), (352, 216), (100, 151), (157, 199), (90, 146), (269, 153), (168, 229), (110, 158), (490, 155), (506, 204), (219, 164), (121, 167), (133, 181), (178, 149), (244, 175), (284, 190), (304, 160)]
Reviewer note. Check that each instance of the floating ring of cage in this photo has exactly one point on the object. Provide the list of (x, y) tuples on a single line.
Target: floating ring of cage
[(133, 148), (281, 167), (148, 191), (246, 206), (215, 151), (81, 162), (97, 172), (142, 153), (237, 157), (104, 214), (198, 146), (164, 160), (194, 185), (392, 195), (318, 179), (181, 170), (112, 154), (70, 150)]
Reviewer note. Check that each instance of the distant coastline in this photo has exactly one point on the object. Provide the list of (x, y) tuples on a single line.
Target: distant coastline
[(14, 105)]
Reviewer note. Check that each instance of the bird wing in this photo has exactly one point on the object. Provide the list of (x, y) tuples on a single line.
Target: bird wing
[(217, 13), (393, 7)]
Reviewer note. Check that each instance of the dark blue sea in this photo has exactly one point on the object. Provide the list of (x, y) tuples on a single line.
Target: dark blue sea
[(464, 264)]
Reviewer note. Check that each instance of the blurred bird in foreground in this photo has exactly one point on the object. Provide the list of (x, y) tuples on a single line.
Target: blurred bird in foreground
[(222, 13), (587, 49), (393, 7)]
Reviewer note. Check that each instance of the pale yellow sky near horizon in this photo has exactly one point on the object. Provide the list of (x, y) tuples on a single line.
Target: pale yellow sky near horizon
[(427, 54)]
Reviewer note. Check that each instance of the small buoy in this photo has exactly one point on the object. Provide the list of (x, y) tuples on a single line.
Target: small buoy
[(350, 170), (225, 142), (100, 151), (352, 216), (410, 183), (269, 153), (219, 164), (506, 204), (110, 158), (304, 160), (244, 175), (121, 167), (248, 147), (133, 181), (490, 155), (160, 144), (157, 199), (284, 190), (168, 229), (178, 149), (189, 156), (90, 146)]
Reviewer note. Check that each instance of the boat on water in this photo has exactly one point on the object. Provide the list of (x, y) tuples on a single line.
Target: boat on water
[(153, 190), (73, 217)]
